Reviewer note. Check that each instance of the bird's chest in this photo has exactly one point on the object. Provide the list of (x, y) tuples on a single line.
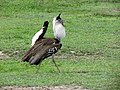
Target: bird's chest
[(59, 31)]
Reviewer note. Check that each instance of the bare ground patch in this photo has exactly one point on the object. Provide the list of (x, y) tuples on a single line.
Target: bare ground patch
[(3, 55), (64, 87), (114, 12), (98, 54)]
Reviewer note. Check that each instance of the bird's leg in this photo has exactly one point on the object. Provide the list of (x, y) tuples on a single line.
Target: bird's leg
[(37, 67), (55, 63)]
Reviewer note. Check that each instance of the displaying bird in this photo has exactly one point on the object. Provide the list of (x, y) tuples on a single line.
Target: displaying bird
[(44, 47)]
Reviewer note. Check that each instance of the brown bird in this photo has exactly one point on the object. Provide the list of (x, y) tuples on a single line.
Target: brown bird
[(43, 47)]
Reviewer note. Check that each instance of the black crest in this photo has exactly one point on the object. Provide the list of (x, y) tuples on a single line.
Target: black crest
[(58, 17)]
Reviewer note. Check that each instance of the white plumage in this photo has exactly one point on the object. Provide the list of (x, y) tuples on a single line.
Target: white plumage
[(58, 29), (36, 36)]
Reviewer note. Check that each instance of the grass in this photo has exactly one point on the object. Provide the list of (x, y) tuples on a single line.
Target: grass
[(94, 74), (93, 33)]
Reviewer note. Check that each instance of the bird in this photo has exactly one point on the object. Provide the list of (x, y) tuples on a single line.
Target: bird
[(43, 47)]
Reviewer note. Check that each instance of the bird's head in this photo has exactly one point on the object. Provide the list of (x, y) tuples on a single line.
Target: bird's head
[(58, 17), (58, 27)]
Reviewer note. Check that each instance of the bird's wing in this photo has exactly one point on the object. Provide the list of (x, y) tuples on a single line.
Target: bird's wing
[(36, 36), (41, 50), (32, 50), (40, 34)]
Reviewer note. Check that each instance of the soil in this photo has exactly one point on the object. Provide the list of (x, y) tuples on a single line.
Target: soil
[(64, 87), (3, 56)]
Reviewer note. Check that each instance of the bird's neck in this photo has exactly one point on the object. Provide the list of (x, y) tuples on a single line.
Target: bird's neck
[(59, 39), (54, 19)]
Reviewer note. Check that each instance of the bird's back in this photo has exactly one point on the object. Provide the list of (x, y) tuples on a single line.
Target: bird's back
[(41, 50)]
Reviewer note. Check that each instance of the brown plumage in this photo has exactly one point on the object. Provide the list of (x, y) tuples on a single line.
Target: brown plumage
[(43, 48)]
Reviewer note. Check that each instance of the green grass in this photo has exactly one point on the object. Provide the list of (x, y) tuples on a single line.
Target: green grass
[(93, 33)]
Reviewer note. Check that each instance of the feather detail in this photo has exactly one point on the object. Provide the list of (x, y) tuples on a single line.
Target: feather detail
[(58, 28), (36, 36), (41, 50), (39, 35)]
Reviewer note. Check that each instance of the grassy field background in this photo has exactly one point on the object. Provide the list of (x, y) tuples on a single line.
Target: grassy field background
[(90, 56)]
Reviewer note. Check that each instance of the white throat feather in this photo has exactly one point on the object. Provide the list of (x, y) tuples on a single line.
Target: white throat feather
[(58, 29)]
